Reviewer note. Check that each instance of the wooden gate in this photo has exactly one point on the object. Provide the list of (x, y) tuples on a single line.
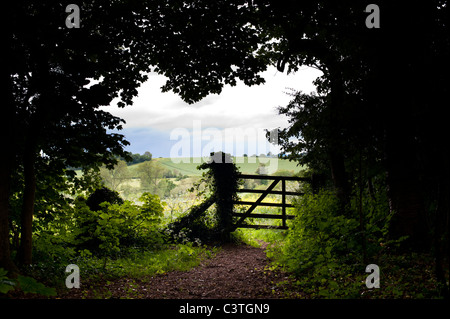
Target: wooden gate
[(264, 193)]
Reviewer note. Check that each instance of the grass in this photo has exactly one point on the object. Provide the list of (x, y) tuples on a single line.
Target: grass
[(135, 263), (247, 165), (140, 263), (121, 277), (402, 275), (131, 188), (259, 237)]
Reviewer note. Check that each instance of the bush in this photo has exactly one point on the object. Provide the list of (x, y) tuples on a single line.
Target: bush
[(25, 284), (102, 195), (317, 234), (325, 250), (118, 224)]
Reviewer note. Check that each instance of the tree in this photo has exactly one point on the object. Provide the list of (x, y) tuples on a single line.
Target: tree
[(147, 156), (314, 140), (180, 198), (365, 112), (138, 158), (151, 174), (49, 109), (102, 195), (116, 176), (357, 64)]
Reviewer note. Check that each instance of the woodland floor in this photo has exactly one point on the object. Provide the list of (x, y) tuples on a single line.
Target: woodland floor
[(236, 271)]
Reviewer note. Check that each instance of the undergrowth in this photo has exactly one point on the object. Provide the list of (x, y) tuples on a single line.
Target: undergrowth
[(139, 263), (326, 253), (108, 239)]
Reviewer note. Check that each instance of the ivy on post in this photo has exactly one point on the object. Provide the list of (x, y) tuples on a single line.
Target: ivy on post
[(223, 179)]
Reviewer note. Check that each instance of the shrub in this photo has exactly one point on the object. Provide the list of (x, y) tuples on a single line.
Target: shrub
[(119, 224), (102, 195), (325, 250), (317, 234), (25, 284)]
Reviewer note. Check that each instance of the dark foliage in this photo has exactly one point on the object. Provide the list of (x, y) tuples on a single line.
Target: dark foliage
[(137, 158), (102, 195), (222, 178)]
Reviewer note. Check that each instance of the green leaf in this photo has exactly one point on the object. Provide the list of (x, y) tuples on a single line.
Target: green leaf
[(333, 285), (6, 285), (30, 285), (3, 273), (324, 293)]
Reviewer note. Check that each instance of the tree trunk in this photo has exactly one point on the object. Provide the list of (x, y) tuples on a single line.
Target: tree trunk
[(340, 180), (441, 233), (336, 126), (403, 58), (41, 115), (25, 250), (405, 195), (5, 179), (402, 166), (7, 132)]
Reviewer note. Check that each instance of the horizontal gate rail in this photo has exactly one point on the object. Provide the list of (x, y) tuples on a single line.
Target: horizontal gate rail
[(263, 226), (269, 216), (286, 178), (263, 204), (260, 191)]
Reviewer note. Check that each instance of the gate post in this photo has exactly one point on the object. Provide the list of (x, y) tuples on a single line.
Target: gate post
[(226, 179)]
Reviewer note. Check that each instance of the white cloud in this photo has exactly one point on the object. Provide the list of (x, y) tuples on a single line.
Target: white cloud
[(236, 107)]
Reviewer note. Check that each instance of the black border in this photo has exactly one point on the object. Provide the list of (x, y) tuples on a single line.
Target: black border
[(170, 308)]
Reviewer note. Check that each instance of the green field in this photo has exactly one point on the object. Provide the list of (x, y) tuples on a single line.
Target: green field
[(247, 165), (184, 174)]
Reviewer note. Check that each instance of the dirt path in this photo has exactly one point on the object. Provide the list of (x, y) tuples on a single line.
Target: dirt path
[(237, 271)]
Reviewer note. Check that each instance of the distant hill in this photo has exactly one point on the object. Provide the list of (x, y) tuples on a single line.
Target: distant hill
[(247, 165)]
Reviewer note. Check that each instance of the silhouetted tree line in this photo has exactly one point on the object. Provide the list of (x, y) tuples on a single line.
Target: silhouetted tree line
[(137, 158)]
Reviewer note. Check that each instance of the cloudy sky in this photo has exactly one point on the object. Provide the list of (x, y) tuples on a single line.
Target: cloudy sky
[(233, 121)]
